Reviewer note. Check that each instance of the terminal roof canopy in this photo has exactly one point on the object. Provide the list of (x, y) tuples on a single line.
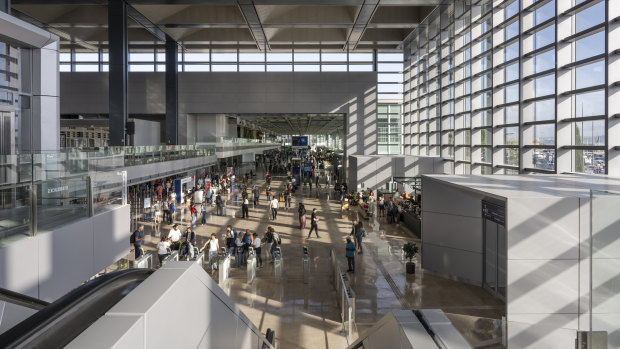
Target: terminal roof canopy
[(252, 25)]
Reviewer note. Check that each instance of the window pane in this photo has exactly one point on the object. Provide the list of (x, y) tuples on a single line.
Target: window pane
[(512, 72), (389, 77), (544, 12), (196, 67), (307, 67), (511, 157), (86, 67), (589, 133), (223, 67), (590, 104), (389, 88), (393, 57), (544, 61), (545, 85), (590, 74), (544, 110), (65, 57), (279, 57), (141, 57), (65, 67), (91, 57), (544, 134), (590, 46), (512, 30), (224, 57), (251, 67), (334, 57), (544, 37), (589, 161), (307, 57), (279, 67), (511, 10), (590, 17), (361, 57), (544, 159), (251, 57), (511, 51), (511, 93), (196, 57), (390, 67), (360, 67), (142, 67), (511, 135), (334, 67), (511, 114)]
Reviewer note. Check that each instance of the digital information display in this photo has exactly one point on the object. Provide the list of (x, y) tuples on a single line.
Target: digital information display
[(299, 141), (494, 213)]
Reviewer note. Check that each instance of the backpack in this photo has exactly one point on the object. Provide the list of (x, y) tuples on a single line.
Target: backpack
[(132, 238), (218, 199), (269, 237), (247, 239)]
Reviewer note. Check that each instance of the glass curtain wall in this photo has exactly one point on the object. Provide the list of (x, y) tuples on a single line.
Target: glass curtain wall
[(513, 86), (389, 129)]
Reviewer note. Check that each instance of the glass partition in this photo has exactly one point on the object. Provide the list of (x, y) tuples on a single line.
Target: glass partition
[(62, 201), (15, 212), (605, 266)]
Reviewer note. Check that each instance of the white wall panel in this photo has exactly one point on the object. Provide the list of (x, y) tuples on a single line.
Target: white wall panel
[(545, 228)]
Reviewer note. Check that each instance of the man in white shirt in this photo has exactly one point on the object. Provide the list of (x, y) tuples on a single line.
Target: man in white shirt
[(274, 208), (175, 236)]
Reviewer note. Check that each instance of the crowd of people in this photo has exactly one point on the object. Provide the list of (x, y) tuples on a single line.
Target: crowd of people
[(213, 193)]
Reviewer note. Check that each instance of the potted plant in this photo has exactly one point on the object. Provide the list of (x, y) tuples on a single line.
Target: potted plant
[(410, 249)]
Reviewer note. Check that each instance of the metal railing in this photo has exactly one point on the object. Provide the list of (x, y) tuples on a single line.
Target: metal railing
[(346, 297)]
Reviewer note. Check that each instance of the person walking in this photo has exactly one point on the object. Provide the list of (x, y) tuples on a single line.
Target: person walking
[(231, 236), (203, 212), (314, 220), (214, 247), (350, 247), (218, 204), (302, 216), (381, 206), (239, 249), (256, 193), (269, 242), (274, 208), (244, 208), (137, 243), (358, 232), (172, 211), (256, 243)]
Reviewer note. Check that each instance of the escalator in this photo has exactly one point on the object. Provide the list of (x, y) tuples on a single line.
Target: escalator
[(56, 324)]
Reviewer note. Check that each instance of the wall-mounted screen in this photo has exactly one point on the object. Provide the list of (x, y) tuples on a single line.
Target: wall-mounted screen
[(299, 141)]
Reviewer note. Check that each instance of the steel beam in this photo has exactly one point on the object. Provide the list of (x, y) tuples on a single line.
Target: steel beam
[(256, 28), (117, 38), (52, 29), (172, 91), (361, 23)]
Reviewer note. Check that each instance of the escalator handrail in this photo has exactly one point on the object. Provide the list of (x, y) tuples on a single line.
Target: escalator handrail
[(60, 322), (22, 299)]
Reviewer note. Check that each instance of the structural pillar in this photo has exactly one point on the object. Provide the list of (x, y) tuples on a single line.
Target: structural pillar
[(172, 92), (5, 6), (118, 47)]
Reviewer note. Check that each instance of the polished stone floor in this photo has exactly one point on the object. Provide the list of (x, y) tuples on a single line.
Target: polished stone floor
[(306, 315)]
